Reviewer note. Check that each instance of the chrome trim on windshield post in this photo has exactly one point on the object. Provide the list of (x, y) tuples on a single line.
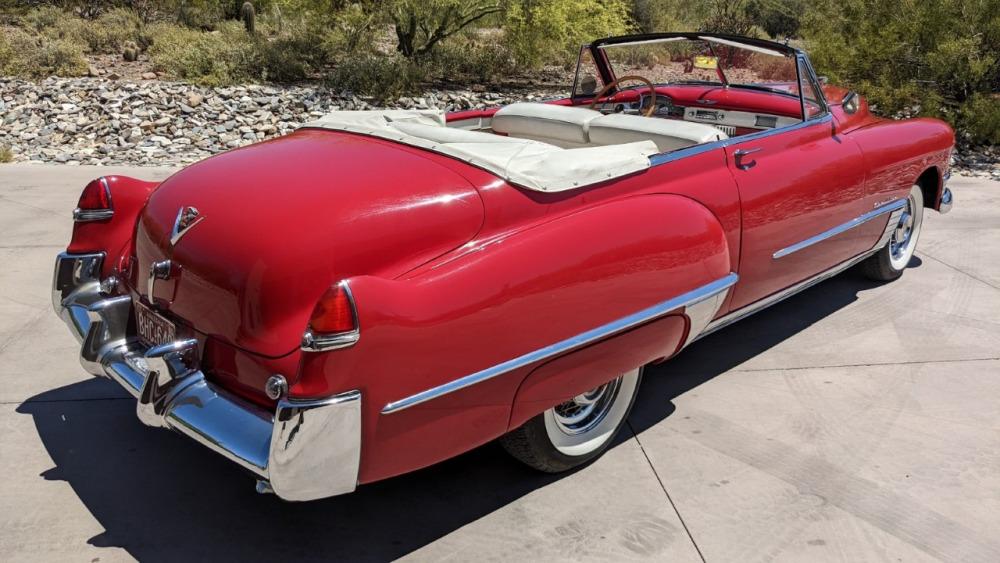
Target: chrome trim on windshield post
[(695, 296), (842, 228)]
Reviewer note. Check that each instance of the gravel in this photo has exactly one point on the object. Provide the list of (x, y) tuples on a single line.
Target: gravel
[(100, 121), (112, 122)]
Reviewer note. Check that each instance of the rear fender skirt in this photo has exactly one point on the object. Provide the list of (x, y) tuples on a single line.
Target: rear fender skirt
[(509, 297)]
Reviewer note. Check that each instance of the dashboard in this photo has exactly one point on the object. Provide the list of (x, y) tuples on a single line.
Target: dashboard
[(728, 120)]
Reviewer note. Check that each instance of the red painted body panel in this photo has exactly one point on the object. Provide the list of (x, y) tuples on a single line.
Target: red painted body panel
[(804, 182), (511, 296), (453, 270), (285, 219)]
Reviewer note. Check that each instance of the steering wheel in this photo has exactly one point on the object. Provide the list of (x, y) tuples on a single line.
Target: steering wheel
[(652, 92)]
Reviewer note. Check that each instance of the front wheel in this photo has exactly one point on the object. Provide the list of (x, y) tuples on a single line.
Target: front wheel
[(889, 262), (576, 431)]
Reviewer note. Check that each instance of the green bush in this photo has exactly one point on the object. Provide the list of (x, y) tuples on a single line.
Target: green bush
[(552, 31), (979, 116), (22, 54), (937, 54), (468, 59), (108, 33), (383, 76), (230, 55), (225, 56)]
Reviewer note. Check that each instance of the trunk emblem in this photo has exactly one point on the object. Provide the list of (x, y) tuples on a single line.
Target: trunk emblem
[(187, 217)]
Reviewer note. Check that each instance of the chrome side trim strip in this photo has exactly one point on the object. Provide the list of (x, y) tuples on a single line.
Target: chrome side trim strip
[(842, 228), (774, 298), (692, 297)]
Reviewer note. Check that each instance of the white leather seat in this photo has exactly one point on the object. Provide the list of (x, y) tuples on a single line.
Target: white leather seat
[(562, 126), (668, 134)]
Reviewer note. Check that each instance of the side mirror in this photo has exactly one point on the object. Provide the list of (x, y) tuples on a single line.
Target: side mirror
[(851, 102)]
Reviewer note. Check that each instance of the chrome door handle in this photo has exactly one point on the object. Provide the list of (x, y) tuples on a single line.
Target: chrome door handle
[(738, 156)]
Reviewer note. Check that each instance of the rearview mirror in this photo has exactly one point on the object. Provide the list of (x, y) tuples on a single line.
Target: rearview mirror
[(851, 102), (706, 62)]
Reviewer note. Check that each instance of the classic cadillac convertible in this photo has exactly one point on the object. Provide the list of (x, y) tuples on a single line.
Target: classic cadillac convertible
[(379, 291)]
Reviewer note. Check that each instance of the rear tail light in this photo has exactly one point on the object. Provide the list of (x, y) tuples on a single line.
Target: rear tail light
[(95, 202), (334, 321)]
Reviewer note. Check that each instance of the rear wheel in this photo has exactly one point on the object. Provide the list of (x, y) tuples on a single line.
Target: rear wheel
[(889, 262), (576, 431)]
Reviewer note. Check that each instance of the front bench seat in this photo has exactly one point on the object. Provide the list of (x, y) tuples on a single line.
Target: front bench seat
[(562, 126), (668, 134)]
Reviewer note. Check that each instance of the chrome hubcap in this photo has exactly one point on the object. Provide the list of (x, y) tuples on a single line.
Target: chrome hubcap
[(903, 232), (587, 410)]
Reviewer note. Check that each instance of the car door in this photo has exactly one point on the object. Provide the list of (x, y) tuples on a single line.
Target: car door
[(798, 187)]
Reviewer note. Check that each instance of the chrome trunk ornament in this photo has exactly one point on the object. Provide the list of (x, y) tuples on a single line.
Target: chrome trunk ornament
[(187, 217)]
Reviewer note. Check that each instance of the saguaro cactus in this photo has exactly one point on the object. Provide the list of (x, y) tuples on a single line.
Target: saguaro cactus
[(249, 17)]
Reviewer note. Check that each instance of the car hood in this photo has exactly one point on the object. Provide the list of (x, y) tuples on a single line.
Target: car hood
[(279, 222)]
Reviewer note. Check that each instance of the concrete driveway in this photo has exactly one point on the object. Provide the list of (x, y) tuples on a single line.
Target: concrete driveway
[(854, 422)]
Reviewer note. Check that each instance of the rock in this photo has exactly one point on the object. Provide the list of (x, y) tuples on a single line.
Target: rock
[(94, 71), (149, 76), (195, 99)]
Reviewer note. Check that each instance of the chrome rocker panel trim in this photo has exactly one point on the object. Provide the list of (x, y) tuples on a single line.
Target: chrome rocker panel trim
[(304, 450), (707, 295), (774, 298), (842, 228)]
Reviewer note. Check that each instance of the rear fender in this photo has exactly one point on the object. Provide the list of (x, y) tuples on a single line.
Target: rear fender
[(511, 296), (113, 235)]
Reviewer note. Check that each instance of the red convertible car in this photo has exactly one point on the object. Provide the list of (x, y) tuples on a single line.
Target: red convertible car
[(382, 290)]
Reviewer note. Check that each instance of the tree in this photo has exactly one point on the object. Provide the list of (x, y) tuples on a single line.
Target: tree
[(421, 24)]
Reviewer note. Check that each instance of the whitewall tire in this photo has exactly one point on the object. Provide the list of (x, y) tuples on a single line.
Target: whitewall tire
[(576, 431), (889, 262)]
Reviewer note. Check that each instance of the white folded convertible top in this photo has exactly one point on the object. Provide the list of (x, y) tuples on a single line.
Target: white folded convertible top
[(530, 164)]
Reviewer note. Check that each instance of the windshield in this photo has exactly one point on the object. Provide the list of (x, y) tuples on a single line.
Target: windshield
[(706, 60)]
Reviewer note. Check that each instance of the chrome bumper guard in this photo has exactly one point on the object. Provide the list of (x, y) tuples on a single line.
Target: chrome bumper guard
[(946, 198), (304, 450)]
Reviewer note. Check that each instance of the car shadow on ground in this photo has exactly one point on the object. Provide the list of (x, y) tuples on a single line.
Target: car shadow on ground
[(161, 497)]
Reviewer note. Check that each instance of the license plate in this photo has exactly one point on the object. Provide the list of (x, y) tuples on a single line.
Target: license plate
[(152, 327)]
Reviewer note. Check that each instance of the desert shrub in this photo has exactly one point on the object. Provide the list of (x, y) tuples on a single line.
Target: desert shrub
[(291, 57), (230, 55), (778, 18), (552, 31), (466, 58), (107, 33), (979, 116), (26, 55), (383, 76), (935, 54), (6, 154), (349, 30), (225, 56), (729, 16), (420, 25)]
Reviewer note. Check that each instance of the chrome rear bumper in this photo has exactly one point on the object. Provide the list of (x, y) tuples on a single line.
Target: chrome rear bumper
[(304, 450)]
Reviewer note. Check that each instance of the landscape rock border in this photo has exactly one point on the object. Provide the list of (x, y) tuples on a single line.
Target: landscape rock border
[(98, 121)]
